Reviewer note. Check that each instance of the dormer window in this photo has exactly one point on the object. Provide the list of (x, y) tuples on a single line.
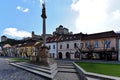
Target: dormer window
[(55, 39)]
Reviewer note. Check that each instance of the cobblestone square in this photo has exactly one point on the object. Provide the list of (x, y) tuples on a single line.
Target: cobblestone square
[(8, 72)]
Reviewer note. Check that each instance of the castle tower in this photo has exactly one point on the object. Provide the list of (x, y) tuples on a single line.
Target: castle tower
[(3, 38), (33, 34)]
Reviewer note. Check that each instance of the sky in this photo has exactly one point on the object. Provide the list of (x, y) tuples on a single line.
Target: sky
[(18, 18)]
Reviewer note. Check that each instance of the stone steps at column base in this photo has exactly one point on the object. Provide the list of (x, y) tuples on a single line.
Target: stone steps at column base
[(39, 71), (49, 71), (51, 67), (67, 70), (68, 67)]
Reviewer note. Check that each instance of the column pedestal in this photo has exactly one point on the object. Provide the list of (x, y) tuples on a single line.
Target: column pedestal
[(43, 57)]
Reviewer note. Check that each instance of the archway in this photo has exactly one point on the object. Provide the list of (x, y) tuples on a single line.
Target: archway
[(77, 54), (67, 55), (60, 55)]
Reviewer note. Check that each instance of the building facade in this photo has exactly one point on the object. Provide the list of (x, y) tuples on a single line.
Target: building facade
[(119, 49), (104, 46), (52, 44), (67, 46)]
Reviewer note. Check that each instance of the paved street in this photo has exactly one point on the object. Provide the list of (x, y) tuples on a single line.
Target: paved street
[(8, 72)]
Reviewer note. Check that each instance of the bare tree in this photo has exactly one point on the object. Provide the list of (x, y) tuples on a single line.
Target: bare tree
[(105, 49), (90, 49), (79, 49), (104, 45)]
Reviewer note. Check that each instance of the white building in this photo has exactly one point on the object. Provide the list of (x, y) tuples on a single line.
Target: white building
[(52, 43), (68, 46)]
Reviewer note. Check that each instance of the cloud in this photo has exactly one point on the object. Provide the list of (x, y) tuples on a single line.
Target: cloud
[(42, 1), (14, 32), (91, 15), (18, 7), (26, 10), (22, 9), (116, 14)]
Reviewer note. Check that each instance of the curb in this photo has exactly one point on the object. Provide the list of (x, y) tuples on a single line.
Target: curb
[(80, 71), (95, 75)]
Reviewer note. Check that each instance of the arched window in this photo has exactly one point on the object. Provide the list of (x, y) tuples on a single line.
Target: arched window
[(60, 55), (75, 45), (67, 55), (67, 46), (77, 54)]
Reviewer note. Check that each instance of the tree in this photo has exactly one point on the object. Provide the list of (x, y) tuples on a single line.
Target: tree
[(79, 49), (90, 49), (105, 43)]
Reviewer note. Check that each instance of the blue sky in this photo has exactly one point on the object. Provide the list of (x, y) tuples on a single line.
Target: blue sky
[(18, 18)]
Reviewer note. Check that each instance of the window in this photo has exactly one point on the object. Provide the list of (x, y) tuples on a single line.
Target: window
[(86, 44), (53, 55), (81, 45), (96, 44), (67, 46), (60, 46), (49, 47), (107, 43), (75, 45), (77, 54), (53, 46)]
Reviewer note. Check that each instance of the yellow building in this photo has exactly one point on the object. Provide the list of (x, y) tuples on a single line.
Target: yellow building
[(27, 50)]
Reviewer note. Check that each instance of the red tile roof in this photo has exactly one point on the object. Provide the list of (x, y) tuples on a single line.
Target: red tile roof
[(108, 34), (81, 36), (70, 37), (53, 39)]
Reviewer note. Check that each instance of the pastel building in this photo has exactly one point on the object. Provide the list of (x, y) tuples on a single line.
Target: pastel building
[(104, 46), (67, 46), (52, 43), (119, 49)]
